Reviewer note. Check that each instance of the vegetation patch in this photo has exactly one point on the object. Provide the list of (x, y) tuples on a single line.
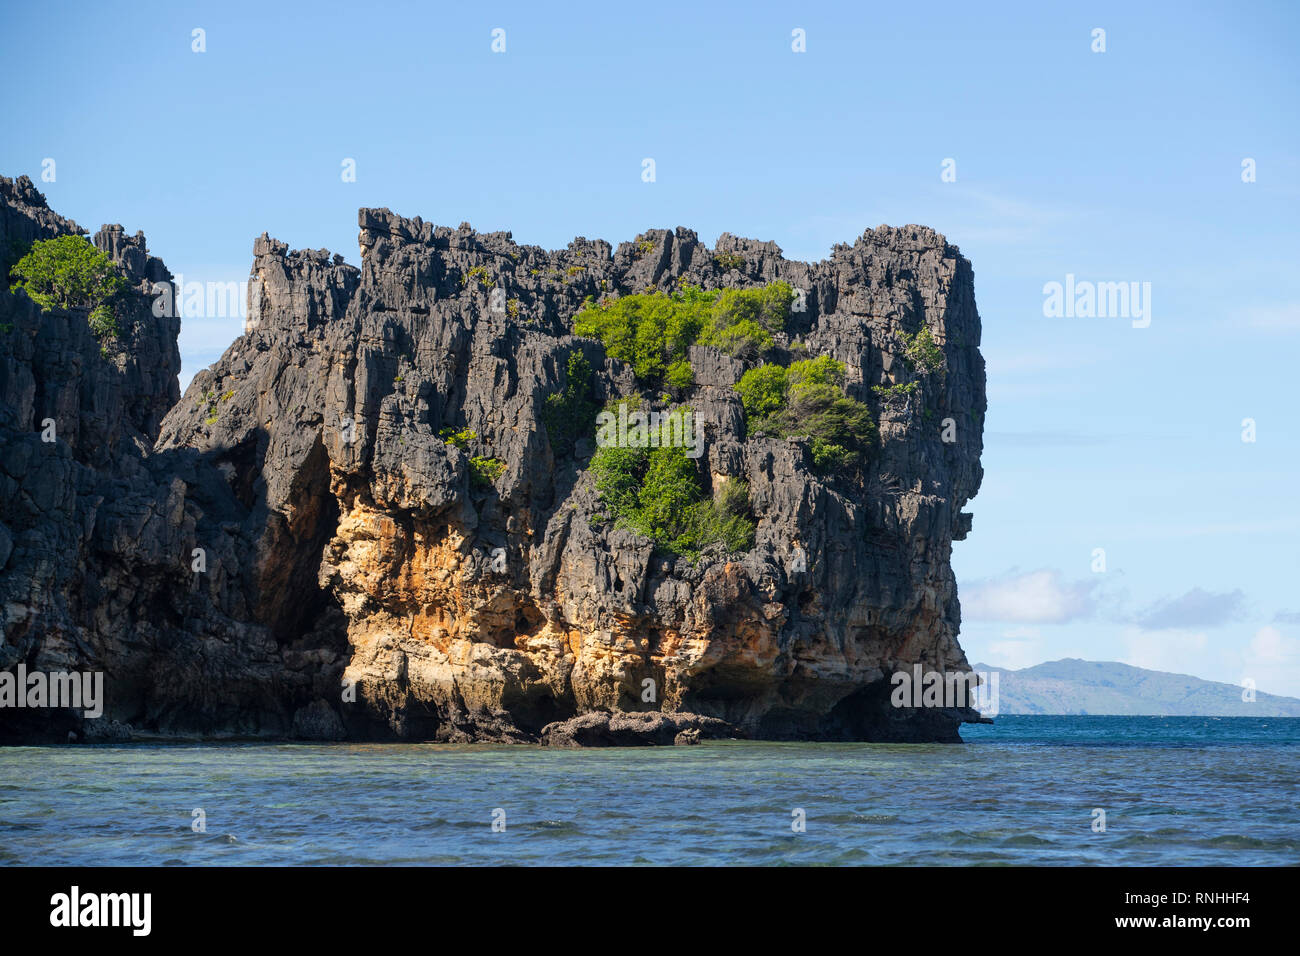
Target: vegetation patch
[(570, 413), (808, 399), (896, 396), (458, 439), (484, 471), (652, 331), (68, 272), (657, 492), (477, 272), (922, 352)]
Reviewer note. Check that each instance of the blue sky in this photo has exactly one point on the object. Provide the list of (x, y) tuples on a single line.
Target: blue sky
[(1117, 166)]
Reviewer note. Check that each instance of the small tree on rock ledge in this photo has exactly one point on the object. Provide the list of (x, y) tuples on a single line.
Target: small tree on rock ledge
[(68, 272)]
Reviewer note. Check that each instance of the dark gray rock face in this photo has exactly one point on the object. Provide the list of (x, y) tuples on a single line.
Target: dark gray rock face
[(103, 528), (637, 729), (359, 583)]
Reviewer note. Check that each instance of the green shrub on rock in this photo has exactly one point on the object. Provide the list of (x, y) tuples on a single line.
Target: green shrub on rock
[(762, 392), (570, 413), (680, 375), (922, 351), (484, 471), (652, 331), (808, 399), (68, 272), (657, 492)]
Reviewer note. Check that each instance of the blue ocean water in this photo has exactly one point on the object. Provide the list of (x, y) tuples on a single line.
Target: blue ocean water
[(1175, 791)]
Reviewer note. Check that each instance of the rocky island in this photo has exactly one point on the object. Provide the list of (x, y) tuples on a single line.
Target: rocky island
[(386, 512)]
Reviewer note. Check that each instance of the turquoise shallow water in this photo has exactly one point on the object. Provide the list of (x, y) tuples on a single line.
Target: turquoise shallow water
[(1176, 791)]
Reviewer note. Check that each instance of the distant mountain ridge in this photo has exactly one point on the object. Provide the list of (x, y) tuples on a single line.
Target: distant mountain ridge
[(1074, 686)]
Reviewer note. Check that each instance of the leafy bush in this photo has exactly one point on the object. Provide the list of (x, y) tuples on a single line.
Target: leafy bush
[(922, 352), (822, 370), (808, 398), (727, 261), (571, 412), (733, 497), (208, 403), (896, 395), (477, 272), (680, 375), (103, 322), (484, 471), (746, 340), (652, 331), (68, 272), (708, 523), (648, 331), (458, 439), (657, 493), (762, 392), (768, 306)]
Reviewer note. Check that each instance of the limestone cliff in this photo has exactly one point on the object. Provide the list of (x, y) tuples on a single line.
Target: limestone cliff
[(347, 546)]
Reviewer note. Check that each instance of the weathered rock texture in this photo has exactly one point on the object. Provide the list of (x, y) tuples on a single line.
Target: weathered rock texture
[(346, 545)]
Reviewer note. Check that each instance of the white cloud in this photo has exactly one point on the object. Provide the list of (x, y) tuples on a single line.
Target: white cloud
[(1019, 647), (1173, 651), (1196, 608), (1270, 658), (1036, 597), (1272, 661)]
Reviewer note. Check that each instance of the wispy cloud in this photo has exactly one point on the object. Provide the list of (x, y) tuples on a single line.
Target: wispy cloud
[(1034, 597), (1281, 317), (1172, 651), (1272, 661), (962, 213), (1197, 608), (1018, 647), (1017, 220)]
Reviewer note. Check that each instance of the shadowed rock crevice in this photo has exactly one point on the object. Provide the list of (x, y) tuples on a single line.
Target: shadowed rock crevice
[(290, 595)]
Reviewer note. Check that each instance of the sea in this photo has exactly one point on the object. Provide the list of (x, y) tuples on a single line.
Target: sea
[(1162, 791)]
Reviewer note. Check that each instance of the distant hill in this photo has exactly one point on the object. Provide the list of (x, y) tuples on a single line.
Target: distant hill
[(1074, 686)]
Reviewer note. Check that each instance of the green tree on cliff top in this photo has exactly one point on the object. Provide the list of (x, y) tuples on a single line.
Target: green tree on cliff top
[(68, 272)]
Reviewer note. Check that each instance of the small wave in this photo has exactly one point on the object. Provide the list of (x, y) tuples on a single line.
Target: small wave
[(549, 826), (1235, 841), (850, 817), (1027, 839)]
